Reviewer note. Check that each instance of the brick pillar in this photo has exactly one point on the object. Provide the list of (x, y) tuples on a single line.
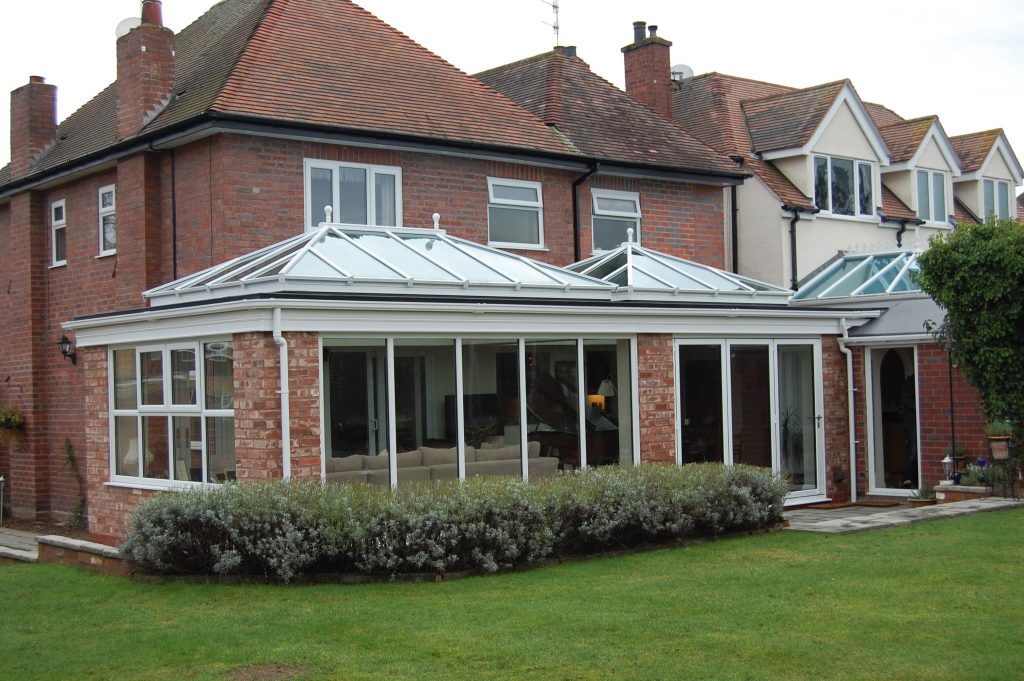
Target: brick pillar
[(836, 420), (648, 70), (655, 370), (304, 388), (33, 123), (145, 72), (139, 229), (257, 407)]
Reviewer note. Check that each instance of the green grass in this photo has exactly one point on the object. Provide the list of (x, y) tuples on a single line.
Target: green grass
[(938, 600)]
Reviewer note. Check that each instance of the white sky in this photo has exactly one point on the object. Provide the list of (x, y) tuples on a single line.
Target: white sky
[(960, 60)]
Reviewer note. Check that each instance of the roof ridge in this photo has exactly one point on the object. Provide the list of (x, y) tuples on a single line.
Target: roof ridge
[(906, 121), (804, 90), (719, 74)]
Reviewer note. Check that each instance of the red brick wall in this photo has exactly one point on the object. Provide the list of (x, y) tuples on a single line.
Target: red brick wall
[(145, 76), (257, 407), (860, 406), (648, 74), (304, 407), (836, 420), (657, 418), (33, 123)]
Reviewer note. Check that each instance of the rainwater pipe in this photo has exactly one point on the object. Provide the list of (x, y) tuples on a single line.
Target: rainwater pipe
[(576, 209), (796, 210), (286, 429), (851, 415)]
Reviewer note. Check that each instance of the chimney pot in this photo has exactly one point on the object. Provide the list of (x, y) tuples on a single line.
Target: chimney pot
[(36, 79), (152, 12), (639, 31), (653, 29)]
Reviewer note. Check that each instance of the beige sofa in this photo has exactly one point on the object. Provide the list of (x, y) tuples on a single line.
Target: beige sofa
[(428, 463)]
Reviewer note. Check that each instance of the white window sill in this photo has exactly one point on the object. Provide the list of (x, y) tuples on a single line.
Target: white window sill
[(106, 254), (158, 485), (56, 265), (516, 247), (868, 219)]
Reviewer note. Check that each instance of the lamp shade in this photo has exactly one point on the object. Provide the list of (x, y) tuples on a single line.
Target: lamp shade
[(607, 388)]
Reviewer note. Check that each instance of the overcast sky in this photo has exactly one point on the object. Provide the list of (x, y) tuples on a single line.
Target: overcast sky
[(961, 60)]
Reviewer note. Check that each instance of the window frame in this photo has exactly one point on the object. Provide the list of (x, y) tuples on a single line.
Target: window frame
[(857, 163), (637, 217), (996, 184), (102, 212), (371, 172), (58, 227), (931, 220), (537, 206)]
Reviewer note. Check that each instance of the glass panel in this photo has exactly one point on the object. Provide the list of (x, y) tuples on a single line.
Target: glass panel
[(125, 385), (490, 379), (939, 197), (923, 197), (1004, 200), (990, 198), (797, 423), (126, 445), (311, 265), (425, 418), (616, 205), (188, 449), (514, 225), (346, 255), (608, 382), (684, 275), (154, 438), (394, 252), (107, 199), (183, 376), (842, 186), (552, 405), (58, 213), (751, 405), (610, 233), (821, 182), (514, 193), (220, 448), (352, 182), (60, 253), (831, 278), (321, 194), (109, 232), (453, 258), (611, 264), (867, 201), (385, 203), (894, 411), (700, 395), (357, 413), (152, 368), (220, 381)]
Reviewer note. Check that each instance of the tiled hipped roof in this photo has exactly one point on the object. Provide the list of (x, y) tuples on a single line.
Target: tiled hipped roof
[(597, 118)]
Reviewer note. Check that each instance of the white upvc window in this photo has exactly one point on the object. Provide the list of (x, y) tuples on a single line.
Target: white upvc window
[(844, 186), (58, 233), (172, 413), (997, 199), (515, 213), (615, 213), (931, 197), (358, 194), (106, 202)]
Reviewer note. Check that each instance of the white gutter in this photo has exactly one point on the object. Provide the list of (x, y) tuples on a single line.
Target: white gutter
[(286, 430), (850, 418)]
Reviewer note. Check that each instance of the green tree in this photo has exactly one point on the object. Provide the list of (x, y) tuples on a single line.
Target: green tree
[(976, 273)]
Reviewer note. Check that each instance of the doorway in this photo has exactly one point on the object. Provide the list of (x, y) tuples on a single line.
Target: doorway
[(892, 409)]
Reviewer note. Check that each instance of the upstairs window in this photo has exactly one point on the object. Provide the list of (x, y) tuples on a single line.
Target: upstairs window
[(515, 213), (614, 214), (997, 199), (843, 186), (358, 194), (58, 233), (931, 196), (107, 206)]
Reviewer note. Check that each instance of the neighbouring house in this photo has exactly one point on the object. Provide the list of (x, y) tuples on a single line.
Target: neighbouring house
[(991, 174)]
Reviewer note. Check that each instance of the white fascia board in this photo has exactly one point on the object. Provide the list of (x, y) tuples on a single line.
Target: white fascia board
[(888, 341), (867, 126), (784, 153), (163, 325), (935, 132)]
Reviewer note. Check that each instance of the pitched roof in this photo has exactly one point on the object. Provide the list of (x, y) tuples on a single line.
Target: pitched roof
[(973, 148), (778, 183), (881, 115), (788, 120), (905, 138), (963, 214), (599, 119), (313, 62), (895, 209)]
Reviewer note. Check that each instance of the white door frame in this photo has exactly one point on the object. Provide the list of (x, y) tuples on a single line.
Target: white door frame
[(869, 411)]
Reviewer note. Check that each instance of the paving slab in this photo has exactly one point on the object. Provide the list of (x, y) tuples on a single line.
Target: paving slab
[(18, 545), (860, 518)]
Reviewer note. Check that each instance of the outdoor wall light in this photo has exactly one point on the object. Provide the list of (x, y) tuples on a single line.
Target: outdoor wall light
[(66, 349), (947, 467)]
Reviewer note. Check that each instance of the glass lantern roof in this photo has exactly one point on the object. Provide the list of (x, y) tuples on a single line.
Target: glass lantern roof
[(862, 275)]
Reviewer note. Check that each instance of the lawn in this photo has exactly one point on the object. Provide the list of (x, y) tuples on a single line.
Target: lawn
[(938, 600)]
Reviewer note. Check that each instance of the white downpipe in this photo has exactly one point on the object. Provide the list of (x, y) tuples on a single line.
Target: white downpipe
[(850, 419), (286, 429)]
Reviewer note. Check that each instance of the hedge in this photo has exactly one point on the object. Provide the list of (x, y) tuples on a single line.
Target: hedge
[(282, 530)]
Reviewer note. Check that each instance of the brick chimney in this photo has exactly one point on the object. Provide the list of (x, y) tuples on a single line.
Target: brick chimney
[(33, 123), (145, 71), (649, 69)]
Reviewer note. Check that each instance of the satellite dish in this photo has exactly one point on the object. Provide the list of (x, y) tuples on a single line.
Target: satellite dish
[(126, 25), (681, 73)]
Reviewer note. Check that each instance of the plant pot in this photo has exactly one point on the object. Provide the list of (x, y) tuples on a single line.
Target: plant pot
[(915, 503), (1000, 447)]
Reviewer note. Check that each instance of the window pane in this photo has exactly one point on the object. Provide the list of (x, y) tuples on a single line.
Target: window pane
[(923, 198), (751, 405), (821, 183), (490, 375), (321, 183), (700, 392), (154, 438), (514, 193), (617, 205), (109, 232), (59, 245), (220, 382), (188, 449), (514, 225), (107, 200), (552, 406), (183, 377), (939, 197), (610, 233), (797, 435), (126, 445), (352, 182), (152, 366), (1004, 200), (867, 202), (990, 198), (425, 419), (357, 412), (606, 376), (384, 203), (842, 186), (220, 449), (58, 213), (124, 380)]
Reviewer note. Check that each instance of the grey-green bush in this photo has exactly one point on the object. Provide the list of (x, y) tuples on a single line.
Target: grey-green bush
[(281, 530)]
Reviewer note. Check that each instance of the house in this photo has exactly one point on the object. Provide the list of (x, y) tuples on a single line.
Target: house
[(991, 174)]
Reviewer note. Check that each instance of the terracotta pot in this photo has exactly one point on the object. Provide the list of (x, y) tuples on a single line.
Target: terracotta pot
[(1000, 447)]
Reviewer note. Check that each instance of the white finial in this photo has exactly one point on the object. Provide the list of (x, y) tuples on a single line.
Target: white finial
[(436, 217), (629, 235), (328, 212)]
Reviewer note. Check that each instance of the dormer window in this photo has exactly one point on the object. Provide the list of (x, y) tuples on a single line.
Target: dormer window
[(997, 199), (843, 186), (357, 194), (931, 196)]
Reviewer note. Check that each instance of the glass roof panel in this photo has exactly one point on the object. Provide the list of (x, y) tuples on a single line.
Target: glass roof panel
[(610, 264), (452, 257), (394, 252), (642, 280), (682, 275), (856, 278), (823, 281), (312, 265), (350, 258), (880, 274), (518, 270), (908, 282)]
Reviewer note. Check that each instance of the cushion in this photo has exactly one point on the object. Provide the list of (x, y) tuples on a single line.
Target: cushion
[(337, 464), (533, 449), (500, 454), (410, 459), (437, 457), (376, 463)]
